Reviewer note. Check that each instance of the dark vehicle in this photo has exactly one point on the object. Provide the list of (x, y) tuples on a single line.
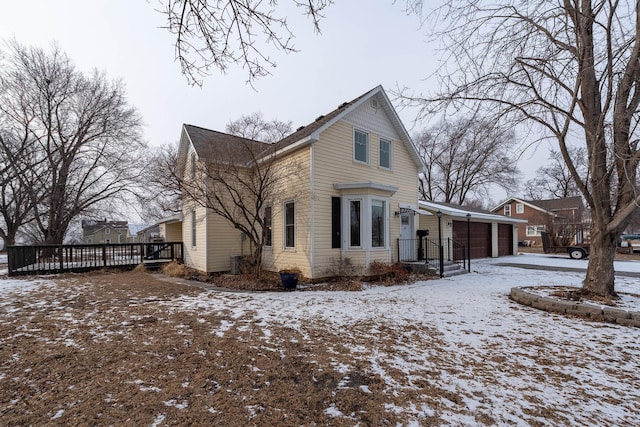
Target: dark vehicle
[(578, 251)]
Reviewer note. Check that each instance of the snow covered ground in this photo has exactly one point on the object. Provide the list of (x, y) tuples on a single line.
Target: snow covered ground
[(498, 362)]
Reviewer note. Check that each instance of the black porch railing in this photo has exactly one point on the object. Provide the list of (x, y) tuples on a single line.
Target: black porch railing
[(428, 251), (47, 259)]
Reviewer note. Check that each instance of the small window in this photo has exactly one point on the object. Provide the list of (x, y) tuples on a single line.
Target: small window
[(354, 219), (519, 208), (377, 223), (289, 225), (107, 231), (193, 165), (89, 240), (507, 210), (107, 241), (534, 230), (268, 229), (385, 154), (361, 147), (193, 228)]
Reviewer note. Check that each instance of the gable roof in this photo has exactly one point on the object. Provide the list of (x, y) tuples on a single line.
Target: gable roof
[(212, 143), (548, 206)]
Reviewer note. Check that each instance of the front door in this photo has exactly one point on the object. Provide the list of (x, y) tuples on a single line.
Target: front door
[(408, 242)]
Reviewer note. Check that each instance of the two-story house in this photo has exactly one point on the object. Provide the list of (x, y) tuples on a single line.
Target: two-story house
[(563, 215), (355, 167), (101, 232)]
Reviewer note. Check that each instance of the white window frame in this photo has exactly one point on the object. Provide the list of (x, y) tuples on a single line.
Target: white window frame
[(366, 203), (519, 208), (384, 219), (536, 232), (507, 210), (367, 147), (284, 225), (390, 142)]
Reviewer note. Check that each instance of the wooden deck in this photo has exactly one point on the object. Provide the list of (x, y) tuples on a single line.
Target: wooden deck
[(50, 259)]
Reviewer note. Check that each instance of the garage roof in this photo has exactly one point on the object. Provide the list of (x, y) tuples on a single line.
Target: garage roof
[(457, 211)]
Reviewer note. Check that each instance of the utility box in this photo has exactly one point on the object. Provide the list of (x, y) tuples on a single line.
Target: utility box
[(422, 233)]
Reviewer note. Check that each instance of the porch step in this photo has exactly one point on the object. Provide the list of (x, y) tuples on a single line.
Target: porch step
[(449, 268)]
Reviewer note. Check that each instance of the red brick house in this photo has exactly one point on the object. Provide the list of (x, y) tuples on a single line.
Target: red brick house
[(545, 215)]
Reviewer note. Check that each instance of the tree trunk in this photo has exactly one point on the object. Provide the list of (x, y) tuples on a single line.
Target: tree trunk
[(600, 273)]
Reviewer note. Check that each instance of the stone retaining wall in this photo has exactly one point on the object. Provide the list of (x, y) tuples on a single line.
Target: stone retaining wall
[(576, 308)]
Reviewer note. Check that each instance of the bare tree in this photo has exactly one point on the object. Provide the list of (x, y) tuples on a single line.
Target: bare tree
[(555, 180), (161, 196), (572, 70), (465, 157), (254, 126), (237, 179), (81, 140), (217, 34)]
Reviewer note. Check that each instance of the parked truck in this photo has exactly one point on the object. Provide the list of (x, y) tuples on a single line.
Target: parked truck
[(576, 251)]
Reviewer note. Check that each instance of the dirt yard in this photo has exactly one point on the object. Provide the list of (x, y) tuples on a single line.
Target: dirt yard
[(98, 351), (118, 349)]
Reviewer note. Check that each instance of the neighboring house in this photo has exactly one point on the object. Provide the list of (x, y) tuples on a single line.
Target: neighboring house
[(149, 234), (356, 166), (490, 234), (132, 232), (545, 215), (100, 232)]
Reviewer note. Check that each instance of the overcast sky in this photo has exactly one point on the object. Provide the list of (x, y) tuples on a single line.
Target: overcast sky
[(363, 44)]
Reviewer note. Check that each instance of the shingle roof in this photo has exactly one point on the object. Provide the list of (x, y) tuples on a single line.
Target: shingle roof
[(212, 144), (558, 204)]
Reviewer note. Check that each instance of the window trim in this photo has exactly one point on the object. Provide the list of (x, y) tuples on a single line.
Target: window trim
[(519, 208), (537, 233), (380, 141), (366, 232), (367, 147), (284, 225), (384, 222), (507, 210), (360, 231)]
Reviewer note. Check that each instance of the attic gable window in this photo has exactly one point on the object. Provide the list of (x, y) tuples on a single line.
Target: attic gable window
[(507, 210), (519, 208), (361, 146)]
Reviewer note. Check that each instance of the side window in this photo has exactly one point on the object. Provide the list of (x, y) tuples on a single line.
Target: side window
[(336, 238), (378, 223), (385, 154), (193, 165), (519, 208), (361, 146), (354, 222), (193, 228), (507, 210), (268, 229), (289, 225)]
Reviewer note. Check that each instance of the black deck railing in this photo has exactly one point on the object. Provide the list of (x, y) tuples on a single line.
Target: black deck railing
[(47, 259), (430, 252)]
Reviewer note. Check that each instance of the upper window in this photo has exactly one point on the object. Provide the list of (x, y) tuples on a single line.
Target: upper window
[(385, 154), (377, 223), (519, 208), (507, 210), (361, 146), (107, 231), (268, 232), (289, 225)]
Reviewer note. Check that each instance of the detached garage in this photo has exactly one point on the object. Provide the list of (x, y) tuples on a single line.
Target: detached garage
[(490, 234)]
